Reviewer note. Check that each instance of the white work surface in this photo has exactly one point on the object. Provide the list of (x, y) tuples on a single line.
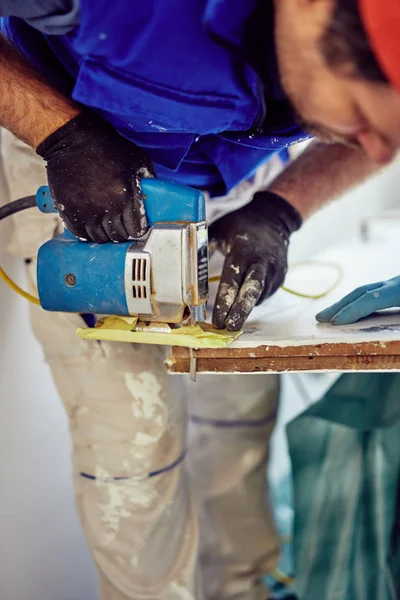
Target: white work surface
[(283, 335)]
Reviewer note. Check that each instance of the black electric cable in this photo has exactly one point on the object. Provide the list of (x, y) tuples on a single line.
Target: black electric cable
[(13, 207)]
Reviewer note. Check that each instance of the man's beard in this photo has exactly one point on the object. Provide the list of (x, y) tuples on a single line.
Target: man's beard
[(324, 134), (320, 132)]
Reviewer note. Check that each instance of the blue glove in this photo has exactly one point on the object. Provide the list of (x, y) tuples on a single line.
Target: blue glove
[(363, 302)]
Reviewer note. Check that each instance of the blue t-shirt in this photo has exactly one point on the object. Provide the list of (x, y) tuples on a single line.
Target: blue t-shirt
[(196, 83)]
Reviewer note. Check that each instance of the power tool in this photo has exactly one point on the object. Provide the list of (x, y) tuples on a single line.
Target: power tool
[(162, 277)]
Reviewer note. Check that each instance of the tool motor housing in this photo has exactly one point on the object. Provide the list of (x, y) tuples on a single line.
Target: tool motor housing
[(160, 277)]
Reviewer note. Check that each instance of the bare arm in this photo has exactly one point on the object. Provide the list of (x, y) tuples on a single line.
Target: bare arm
[(93, 172), (29, 107), (322, 173), (255, 238)]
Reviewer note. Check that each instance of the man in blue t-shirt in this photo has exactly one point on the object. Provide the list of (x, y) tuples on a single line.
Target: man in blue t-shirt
[(204, 93), (184, 84)]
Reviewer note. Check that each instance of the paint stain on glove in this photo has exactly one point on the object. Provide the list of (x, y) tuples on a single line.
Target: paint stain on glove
[(255, 242)]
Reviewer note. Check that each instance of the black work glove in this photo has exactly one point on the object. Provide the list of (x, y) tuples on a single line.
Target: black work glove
[(94, 177), (255, 241)]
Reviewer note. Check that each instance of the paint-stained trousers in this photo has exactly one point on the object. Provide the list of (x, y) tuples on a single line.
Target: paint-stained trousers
[(169, 476)]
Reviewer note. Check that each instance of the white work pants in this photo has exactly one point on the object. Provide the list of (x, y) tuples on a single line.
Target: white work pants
[(169, 511)]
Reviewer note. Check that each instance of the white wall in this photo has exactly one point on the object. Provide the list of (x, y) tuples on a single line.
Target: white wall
[(341, 219), (43, 555)]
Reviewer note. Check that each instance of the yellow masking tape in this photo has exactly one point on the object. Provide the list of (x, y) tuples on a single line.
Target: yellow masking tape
[(117, 323), (121, 329)]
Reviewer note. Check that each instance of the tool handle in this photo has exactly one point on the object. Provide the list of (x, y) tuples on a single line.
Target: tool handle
[(164, 201)]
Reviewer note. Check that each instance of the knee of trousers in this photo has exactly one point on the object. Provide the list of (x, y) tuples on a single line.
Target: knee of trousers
[(128, 426), (142, 534), (231, 421)]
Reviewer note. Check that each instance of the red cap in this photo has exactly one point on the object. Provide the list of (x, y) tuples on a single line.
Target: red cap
[(381, 20)]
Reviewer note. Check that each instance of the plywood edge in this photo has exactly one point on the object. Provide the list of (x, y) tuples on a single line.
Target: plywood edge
[(307, 350), (287, 364), (364, 356)]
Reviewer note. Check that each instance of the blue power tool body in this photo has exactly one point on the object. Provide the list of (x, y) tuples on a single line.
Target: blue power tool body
[(162, 277)]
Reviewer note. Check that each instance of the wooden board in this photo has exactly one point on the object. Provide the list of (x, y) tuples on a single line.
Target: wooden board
[(283, 335)]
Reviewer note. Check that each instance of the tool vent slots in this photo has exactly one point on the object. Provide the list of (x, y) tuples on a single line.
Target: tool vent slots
[(139, 287)]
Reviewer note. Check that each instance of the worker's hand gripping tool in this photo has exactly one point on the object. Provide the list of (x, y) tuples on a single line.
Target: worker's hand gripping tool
[(162, 277)]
